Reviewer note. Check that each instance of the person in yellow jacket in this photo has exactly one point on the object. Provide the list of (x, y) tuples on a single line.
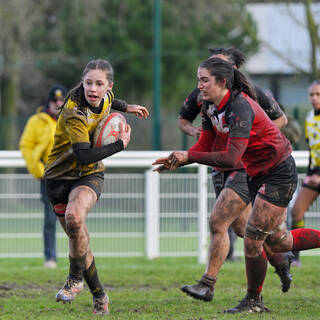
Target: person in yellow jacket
[(35, 144)]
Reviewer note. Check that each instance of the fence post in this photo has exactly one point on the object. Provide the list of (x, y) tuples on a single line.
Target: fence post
[(152, 214), (202, 209)]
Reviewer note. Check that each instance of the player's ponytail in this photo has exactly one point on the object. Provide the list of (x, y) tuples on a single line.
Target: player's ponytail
[(241, 83)]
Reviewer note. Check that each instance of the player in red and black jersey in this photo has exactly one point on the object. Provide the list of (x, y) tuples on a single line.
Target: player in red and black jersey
[(252, 138), (230, 186)]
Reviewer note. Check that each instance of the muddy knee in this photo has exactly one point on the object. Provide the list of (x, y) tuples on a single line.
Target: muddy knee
[(73, 224), (217, 225)]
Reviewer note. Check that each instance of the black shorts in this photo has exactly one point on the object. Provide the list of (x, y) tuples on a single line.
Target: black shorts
[(235, 180), (58, 190), (278, 186)]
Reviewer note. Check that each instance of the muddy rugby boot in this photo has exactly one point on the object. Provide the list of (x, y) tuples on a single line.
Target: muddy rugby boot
[(70, 290), (101, 305), (249, 305), (283, 271)]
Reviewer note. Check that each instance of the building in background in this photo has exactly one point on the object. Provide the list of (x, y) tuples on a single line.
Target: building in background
[(285, 49)]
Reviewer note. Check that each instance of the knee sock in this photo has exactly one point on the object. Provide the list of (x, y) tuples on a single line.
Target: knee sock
[(305, 238), (92, 279), (297, 225), (77, 266), (256, 269)]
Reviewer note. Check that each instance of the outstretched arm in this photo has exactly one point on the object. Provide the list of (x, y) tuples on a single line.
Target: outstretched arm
[(139, 111), (123, 106)]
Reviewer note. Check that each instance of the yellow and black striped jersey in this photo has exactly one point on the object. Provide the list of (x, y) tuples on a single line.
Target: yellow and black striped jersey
[(312, 131), (75, 125)]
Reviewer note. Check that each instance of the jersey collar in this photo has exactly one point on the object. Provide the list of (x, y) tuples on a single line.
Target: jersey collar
[(224, 100)]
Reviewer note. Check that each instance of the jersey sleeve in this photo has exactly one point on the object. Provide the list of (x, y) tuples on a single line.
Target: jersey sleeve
[(240, 120), (191, 106), (268, 103), (119, 105)]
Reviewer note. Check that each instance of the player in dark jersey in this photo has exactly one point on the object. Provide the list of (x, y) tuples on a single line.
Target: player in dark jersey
[(74, 173), (235, 120), (231, 188)]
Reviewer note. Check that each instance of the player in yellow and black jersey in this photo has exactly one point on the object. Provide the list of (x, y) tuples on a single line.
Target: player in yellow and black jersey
[(310, 189), (74, 132), (74, 172)]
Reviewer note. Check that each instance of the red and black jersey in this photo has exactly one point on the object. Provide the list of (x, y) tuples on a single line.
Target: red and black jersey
[(215, 132), (238, 129)]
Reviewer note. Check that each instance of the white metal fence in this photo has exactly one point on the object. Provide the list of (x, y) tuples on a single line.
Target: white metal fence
[(139, 213)]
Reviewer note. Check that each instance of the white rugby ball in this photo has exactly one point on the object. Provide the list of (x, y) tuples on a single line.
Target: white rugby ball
[(108, 129)]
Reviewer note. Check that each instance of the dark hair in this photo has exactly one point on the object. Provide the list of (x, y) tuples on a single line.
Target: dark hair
[(234, 55), (77, 93), (236, 81)]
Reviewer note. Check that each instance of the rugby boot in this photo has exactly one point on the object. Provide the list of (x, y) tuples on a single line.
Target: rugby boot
[(101, 305), (283, 271), (199, 291), (70, 290), (249, 305)]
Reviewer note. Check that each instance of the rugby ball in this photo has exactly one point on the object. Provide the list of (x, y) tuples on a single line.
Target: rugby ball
[(108, 129)]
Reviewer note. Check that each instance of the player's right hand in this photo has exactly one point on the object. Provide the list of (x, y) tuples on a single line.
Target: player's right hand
[(125, 134), (197, 132)]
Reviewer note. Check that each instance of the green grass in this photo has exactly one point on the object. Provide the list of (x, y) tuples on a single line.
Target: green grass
[(143, 289)]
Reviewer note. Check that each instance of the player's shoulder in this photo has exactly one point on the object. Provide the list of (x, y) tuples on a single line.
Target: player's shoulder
[(242, 101), (259, 91), (310, 115), (40, 115), (73, 109), (239, 107), (109, 97)]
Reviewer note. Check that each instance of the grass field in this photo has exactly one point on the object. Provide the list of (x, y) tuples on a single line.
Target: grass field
[(143, 289)]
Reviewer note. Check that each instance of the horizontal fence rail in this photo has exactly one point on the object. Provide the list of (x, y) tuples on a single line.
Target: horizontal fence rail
[(140, 213)]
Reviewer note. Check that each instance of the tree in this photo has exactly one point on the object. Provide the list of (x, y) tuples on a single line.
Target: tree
[(14, 39), (70, 33), (313, 29), (121, 31), (311, 24)]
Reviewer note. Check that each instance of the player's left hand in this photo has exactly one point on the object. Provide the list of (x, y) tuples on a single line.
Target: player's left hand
[(139, 111), (177, 158)]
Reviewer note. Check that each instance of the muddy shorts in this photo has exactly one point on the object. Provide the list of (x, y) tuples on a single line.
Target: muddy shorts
[(236, 180), (278, 186), (58, 190)]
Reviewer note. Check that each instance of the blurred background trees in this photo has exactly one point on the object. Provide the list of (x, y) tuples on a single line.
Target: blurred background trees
[(48, 42)]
